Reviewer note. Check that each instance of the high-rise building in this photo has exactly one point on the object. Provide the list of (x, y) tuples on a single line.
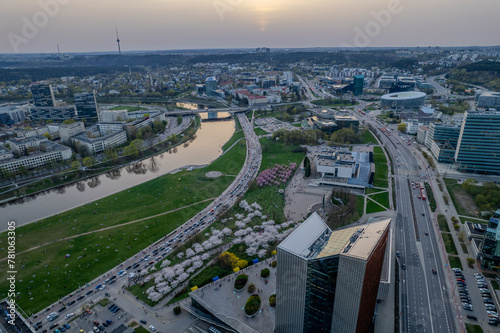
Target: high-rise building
[(358, 84), (211, 85), (490, 251), (86, 105), (327, 281), (288, 77), (43, 96), (478, 148)]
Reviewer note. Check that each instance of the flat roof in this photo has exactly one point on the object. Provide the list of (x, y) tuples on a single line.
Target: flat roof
[(302, 238), (338, 240), (368, 239), (404, 95)]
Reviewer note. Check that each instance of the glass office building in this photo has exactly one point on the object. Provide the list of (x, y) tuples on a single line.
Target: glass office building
[(478, 148), (491, 245), (43, 95), (358, 84), (327, 281)]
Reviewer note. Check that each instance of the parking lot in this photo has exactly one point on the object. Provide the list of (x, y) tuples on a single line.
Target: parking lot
[(271, 124), (477, 303)]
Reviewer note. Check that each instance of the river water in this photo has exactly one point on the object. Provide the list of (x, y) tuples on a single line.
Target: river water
[(207, 146)]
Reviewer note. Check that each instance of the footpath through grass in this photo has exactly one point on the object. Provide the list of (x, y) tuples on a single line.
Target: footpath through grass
[(45, 274)]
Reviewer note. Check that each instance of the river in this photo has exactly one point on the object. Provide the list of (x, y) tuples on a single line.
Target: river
[(207, 146)]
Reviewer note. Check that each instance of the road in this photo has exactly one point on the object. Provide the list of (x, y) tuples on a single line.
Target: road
[(424, 297), (114, 282)]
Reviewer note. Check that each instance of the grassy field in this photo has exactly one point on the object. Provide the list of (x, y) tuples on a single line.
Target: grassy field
[(372, 190), (48, 275), (372, 207), (443, 224), (471, 219), (367, 137), (128, 108), (140, 291), (260, 131), (460, 198), (381, 168), (430, 196), (236, 136), (473, 328), (381, 198), (455, 262), (449, 244)]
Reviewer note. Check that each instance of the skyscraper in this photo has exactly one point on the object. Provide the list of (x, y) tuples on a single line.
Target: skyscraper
[(490, 251), (86, 105), (327, 281), (358, 84), (211, 85), (43, 95), (478, 148)]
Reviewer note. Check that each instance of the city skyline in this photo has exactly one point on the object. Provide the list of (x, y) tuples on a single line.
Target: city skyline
[(39, 26)]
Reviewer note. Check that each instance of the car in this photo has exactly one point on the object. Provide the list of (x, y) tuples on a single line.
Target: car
[(80, 298), (456, 269), (101, 328), (102, 288), (53, 326), (152, 328), (69, 315), (493, 322), (96, 330), (107, 294), (105, 324), (100, 285), (434, 271), (109, 321), (95, 322), (71, 303), (143, 322), (89, 292), (472, 317), (62, 329), (66, 326), (61, 309)]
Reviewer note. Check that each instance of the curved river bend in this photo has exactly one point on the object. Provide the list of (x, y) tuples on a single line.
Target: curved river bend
[(207, 146)]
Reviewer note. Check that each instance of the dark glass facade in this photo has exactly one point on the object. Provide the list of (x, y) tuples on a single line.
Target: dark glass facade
[(359, 81), (478, 148), (42, 95), (320, 294), (491, 246)]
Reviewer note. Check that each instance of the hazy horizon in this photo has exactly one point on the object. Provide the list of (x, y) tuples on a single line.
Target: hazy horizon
[(38, 26)]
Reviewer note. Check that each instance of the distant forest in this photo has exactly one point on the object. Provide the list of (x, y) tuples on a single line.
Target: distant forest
[(483, 73), (80, 66)]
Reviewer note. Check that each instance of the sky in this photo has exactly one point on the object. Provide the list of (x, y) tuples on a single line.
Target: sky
[(38, 26)]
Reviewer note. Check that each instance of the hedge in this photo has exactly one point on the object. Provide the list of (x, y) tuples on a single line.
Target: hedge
[(265, 273), (240, 281), (252, 305)]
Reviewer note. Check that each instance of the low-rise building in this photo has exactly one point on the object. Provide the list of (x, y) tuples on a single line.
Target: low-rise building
[(5, 153), (67, 131), (20, 146), (49, 152), (112, 115), (58, 113), (99, 144)]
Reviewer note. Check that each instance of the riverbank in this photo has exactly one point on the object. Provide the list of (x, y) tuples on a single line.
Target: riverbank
[(53, 182), (46, 273)]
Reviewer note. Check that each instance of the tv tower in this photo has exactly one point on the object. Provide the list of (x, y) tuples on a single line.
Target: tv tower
[(118, 41)]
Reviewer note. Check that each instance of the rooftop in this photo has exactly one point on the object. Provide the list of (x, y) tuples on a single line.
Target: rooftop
[(305, 236), (404, 95), (367, 240)]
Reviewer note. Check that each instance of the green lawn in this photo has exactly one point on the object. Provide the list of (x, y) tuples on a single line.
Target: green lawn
[(449, 244), (260, 131), (381, 198), (128, 108), (141, 329), (455, 262), (473, 220), (367, 137), (372, 190), (381, 168), (473, 328), (372, 207), (48, 275), (297, 125), (236, 136), (443, 224), (140, 291), (430, 196)]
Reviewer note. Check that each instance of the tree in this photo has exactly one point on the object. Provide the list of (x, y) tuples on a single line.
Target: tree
[(111, 154), (307, 166), (69, 121), (469, 184), (48, 136), (345, 135), (177, 310), (402, 127), (75, 165), (179, 120), (88, 162)]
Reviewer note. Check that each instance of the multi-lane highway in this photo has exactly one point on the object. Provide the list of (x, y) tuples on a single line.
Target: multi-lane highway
[(93, 291), (424, 286)]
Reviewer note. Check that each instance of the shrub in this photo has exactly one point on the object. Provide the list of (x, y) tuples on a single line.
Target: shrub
[(470, 262), (240, 281), (252, 305), (264, 273), (181, 292), (456, 226), (272, 300), (177, 310), (454, 219), (274, 263), (251, 288)]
